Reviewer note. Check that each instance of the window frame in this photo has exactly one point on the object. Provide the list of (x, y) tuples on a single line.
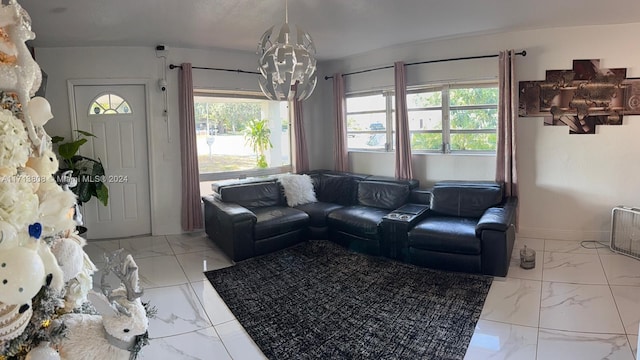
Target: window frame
[(445, 108), (389, 123), (256, 172)]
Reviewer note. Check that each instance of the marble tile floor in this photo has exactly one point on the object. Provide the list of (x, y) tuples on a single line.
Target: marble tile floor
[(576, 303)]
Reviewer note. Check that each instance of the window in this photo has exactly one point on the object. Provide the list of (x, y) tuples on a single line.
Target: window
[(109, 104), (367, 121), (441, 118), (425, 113), (240, 134)]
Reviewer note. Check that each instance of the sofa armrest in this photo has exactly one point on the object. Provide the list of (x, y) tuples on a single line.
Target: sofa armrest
[(419, 196), (497, 236), (498, 218), (230, 226), (496, 247), (231, 211)]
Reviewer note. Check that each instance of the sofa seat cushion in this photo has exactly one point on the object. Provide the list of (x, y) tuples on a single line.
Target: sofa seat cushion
[(318, 212), (276, 220), (446, 234), (357, 220)]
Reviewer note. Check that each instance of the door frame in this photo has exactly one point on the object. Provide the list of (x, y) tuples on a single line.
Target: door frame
[(147, 84)]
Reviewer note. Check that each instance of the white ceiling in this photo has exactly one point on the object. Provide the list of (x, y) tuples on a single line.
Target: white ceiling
[(338, 27)]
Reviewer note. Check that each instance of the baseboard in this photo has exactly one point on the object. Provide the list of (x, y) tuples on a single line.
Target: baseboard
[(558, 234)]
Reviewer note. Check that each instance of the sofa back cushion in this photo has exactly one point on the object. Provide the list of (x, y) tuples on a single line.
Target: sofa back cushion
[(253, 195), (413, 183), (465, 198), (384, 195), (335, 188)]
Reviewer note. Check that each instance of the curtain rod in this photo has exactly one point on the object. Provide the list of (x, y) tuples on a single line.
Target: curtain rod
[(172, 66), (523, 53)]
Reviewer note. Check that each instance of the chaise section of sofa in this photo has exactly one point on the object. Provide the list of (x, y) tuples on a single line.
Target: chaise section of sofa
[(250, 219)]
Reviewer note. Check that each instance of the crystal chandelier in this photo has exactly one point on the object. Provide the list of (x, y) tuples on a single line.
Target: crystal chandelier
[(287, 63)]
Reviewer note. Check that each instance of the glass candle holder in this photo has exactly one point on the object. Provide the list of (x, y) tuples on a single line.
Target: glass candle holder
[(527, 258)]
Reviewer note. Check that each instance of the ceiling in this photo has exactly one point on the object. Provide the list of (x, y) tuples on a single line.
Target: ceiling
[(338, 27)]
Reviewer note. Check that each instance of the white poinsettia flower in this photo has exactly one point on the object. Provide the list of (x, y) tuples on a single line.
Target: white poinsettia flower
[(14, 148), (18, 204)]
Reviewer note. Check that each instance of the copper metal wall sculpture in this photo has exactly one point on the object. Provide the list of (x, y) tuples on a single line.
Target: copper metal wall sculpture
[(581, 98)]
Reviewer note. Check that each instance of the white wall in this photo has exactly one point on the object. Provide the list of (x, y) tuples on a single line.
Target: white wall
[(568, 183), (62, 64)]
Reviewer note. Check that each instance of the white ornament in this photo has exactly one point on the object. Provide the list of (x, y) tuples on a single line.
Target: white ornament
[(76, 291), (6, 18), (45, 165), (8, 236), (5, 172), (108, 337), (12, 321), (22, 275), (14, 151), (70, 257), (54, 211), (18, 204), (29, 176), (43, 352), (25, 77), (51, 267), (39, 111), (73, 260)]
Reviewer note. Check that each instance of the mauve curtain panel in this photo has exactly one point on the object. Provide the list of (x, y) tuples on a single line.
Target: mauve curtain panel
[(403, 137), (191, 208), (506, 154), (301, 156), (340, 154)]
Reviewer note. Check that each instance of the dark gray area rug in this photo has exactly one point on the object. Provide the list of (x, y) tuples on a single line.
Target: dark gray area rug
[(318, 300)]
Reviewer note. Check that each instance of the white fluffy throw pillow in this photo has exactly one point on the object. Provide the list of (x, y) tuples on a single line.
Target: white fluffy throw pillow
[(298, 189)]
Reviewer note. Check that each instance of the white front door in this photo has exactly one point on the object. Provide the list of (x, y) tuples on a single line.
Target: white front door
[(121, 144)]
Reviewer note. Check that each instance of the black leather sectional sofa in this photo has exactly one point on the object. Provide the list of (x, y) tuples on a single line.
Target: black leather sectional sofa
[(458, 226)]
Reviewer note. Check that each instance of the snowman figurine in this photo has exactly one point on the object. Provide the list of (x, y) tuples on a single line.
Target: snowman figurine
[(22, 271)]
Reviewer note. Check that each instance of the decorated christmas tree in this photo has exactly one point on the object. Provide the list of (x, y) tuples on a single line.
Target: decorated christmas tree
[(47, 307)]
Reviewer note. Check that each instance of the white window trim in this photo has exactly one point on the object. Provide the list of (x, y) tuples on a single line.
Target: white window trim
[(243, 174)]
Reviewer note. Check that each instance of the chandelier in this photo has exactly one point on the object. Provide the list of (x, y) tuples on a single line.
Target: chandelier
[(287, 63)]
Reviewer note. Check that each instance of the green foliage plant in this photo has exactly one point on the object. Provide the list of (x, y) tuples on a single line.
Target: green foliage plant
[(257, 135), (89, 172)]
